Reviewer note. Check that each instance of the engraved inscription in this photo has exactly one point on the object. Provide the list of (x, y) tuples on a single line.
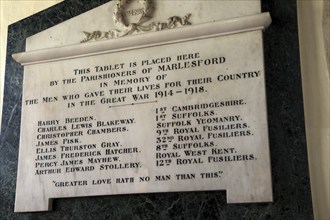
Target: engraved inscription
[(141, 121)]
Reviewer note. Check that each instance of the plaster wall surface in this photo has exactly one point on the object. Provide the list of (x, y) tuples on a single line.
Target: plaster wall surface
[(314, 23), (10, 12), (317, 122)]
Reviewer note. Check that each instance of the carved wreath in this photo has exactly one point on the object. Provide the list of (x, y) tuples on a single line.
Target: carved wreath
[(130, 28)]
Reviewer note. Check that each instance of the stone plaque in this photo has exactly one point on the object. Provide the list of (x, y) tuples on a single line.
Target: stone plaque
[(164, 100)]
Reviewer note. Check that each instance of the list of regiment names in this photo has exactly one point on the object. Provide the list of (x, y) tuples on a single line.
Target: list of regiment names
[(166, 119)]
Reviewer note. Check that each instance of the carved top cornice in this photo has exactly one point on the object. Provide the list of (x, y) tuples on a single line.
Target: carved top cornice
[(195, 32)]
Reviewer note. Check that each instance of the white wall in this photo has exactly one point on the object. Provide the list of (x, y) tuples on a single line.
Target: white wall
[(12, 11), (314, 23), (315, 76)]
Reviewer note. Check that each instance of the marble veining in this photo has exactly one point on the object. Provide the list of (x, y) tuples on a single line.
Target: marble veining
[(292, 199)]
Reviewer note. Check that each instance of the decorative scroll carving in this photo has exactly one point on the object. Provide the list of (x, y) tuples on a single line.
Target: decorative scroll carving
[(121, 5), (127, 28)]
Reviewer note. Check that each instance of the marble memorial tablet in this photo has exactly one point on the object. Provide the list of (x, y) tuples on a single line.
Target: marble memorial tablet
[(166, 96)]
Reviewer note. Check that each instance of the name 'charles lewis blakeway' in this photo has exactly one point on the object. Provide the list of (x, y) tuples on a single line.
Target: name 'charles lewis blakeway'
[(98, 146)]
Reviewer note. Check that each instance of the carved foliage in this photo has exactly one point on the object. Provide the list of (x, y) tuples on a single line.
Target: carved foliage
[(127, 28)]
